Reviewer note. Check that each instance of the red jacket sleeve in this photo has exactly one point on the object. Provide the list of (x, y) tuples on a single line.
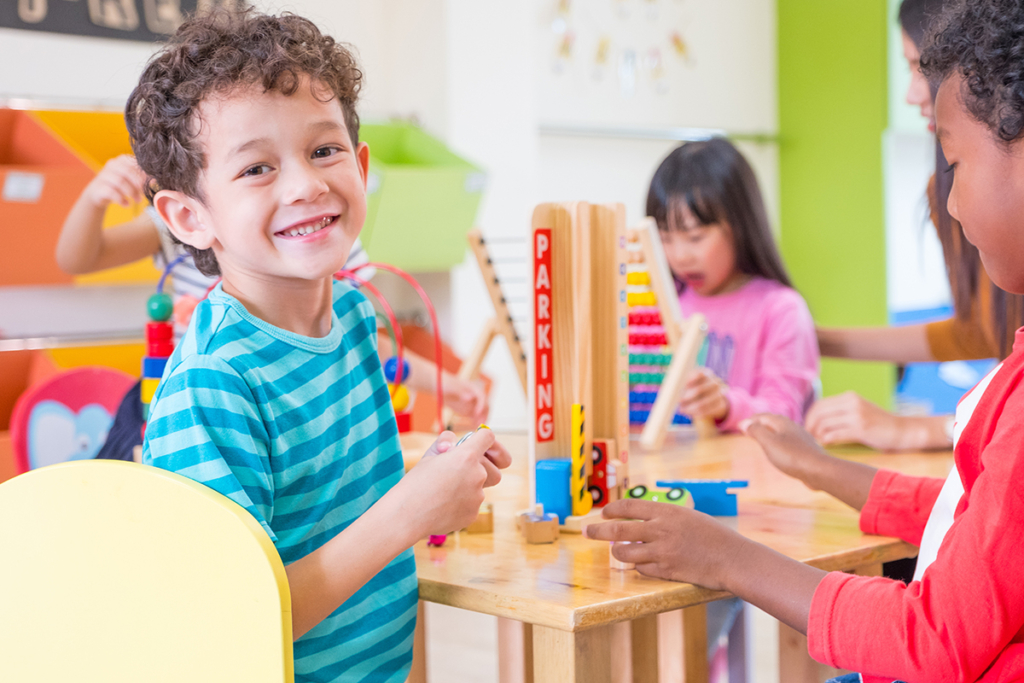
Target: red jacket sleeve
[(898, 505), (957, 623)]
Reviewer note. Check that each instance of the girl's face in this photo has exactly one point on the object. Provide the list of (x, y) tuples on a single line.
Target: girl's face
[(918, 94), (702, 256), (987, 196)]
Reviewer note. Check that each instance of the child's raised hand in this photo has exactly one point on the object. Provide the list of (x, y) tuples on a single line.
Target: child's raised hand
[(788, 446), (669, 541), (704, 396), (120, 181), (445, 490)]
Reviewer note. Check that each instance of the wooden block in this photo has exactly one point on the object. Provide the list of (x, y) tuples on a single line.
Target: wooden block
[(582, 500), (484, 522), (575, 523), (618, 564), (538, 527), (602, 452)]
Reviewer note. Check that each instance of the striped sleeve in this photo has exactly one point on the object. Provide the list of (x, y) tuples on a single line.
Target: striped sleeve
[(205, 425)]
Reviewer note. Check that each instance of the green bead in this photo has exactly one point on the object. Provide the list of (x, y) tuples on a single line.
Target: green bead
[(160, 307)]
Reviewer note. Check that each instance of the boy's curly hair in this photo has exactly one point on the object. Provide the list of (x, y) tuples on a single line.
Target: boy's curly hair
[(215, 53), (982, 41)]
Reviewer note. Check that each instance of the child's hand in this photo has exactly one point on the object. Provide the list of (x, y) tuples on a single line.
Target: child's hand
[(669, 541), (466, 398), (120, 181), (848, 418), (704, 396), (786, 444), (445, 490)]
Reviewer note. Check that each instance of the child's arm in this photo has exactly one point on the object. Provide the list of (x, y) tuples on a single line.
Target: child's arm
[(781, 379), (466, 398), (849, 418), (438, 496), (84, 246), (905, 344)]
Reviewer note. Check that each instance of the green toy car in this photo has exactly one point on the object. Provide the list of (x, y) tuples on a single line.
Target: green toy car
[(676, 496)]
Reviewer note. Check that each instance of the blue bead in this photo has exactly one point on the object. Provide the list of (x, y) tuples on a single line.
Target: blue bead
[(391, 365)]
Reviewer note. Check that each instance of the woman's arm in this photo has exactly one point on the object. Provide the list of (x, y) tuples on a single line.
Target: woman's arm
[(907, 344), (84, 246)]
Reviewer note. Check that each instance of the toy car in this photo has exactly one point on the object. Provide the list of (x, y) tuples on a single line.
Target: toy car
[(676, 496)]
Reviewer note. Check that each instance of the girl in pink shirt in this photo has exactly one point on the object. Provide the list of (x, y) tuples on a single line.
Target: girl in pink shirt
[(762, 352)]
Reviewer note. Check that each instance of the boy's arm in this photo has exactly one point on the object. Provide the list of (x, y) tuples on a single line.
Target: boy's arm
[(441, 494), (84, 246)]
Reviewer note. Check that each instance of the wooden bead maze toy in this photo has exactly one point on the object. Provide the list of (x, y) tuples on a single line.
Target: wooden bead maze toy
[(579, 370)]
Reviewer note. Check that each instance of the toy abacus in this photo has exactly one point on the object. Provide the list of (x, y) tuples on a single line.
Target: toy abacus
[(159, 340)]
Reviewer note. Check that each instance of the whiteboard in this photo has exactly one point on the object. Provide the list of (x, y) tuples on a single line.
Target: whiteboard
[(657, 64)]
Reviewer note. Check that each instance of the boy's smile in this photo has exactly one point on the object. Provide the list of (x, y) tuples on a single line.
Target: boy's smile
[(283, 194)]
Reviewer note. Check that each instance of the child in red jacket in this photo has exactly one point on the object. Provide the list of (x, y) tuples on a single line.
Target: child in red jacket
[(962, 617)]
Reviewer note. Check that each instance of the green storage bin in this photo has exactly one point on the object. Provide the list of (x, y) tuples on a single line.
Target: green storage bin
[(421, 199)]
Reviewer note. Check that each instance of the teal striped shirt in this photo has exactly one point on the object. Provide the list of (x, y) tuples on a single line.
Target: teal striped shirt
[(300, 432)]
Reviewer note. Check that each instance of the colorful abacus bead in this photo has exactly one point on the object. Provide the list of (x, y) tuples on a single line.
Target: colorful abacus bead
[(399, 397), (391, 365)]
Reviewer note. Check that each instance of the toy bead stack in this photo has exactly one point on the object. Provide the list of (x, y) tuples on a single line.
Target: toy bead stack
[(654, 320), (400, 399), (159, 346), (579, 372)]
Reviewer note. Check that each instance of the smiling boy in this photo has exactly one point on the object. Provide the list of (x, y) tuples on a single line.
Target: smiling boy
[(246, 127)]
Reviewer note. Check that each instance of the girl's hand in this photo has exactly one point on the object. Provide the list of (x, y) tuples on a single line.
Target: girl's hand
[(788, 447), (670, 542), (120, 181), (444, 491), (466, 398), (848, 418), (704, 396)]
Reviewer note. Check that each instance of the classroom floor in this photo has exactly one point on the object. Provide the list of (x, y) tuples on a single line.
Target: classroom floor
[(462, 647)]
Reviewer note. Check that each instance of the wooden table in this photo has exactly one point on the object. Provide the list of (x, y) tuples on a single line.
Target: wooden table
[(571, 600)]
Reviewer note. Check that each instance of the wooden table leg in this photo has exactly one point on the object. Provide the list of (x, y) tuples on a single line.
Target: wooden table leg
[(683, 645), (418, 673), (515, 651), (621, 652), (568, 657), (644, 644)]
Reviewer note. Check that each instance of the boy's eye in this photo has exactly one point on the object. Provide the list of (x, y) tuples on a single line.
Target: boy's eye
[(258, 169), (324, 152)]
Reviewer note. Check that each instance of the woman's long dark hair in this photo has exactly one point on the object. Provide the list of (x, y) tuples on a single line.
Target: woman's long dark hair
[(713, 181), (963, 262)]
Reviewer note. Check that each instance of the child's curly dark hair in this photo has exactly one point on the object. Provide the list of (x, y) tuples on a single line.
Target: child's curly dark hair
[(215, 53), (982, 41)]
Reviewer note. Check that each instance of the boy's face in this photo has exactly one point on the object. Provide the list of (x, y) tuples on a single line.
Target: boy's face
[(988, 187), (284, 188)]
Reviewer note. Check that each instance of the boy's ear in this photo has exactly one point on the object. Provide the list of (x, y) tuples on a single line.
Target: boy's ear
[(363, 158), (184, 217)]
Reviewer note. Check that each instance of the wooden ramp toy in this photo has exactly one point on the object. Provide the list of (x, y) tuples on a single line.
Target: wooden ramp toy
[(118, 573)]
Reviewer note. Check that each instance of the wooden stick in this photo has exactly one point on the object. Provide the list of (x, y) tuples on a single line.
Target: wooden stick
[(684, 358), (662, 283)]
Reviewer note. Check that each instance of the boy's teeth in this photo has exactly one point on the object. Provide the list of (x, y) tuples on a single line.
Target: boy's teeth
[(307, 229)]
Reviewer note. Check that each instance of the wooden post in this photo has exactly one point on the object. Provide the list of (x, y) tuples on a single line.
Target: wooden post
[(684, 357), (662, 283), (644, 642), (571, 657)]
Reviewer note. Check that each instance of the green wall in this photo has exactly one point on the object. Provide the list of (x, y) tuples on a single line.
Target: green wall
[(832, 112)]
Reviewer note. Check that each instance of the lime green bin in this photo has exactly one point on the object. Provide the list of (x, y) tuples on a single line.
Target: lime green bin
[(421, 199)]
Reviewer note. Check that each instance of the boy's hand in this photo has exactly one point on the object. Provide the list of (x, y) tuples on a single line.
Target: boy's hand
[(789, 447), (120, 181), (704, 396), (466, 398), (669, 542), (445, 490)]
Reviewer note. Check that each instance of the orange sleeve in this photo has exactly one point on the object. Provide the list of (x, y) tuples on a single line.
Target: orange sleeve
[(955, 339)]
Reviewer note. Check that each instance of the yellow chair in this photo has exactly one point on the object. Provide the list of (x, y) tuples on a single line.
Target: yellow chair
[(117, 572)]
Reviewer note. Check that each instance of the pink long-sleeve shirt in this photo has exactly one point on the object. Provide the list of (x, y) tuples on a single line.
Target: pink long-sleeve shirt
[(761, 342), (962, 618)]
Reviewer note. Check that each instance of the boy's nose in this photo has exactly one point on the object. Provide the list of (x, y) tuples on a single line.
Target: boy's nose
[(303, 183)]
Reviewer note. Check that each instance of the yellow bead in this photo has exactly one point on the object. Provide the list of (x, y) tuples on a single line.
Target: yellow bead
[(399, 397)]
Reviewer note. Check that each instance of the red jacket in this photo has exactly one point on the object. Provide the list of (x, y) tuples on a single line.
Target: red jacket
[(964, 620)]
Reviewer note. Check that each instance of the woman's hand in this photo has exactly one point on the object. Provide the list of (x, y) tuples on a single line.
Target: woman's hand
[(704, 396), (849, 418)]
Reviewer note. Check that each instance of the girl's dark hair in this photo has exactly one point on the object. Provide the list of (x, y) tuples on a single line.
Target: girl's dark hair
[(713, 182), (981, 40), (916, 16), (215, 53)]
